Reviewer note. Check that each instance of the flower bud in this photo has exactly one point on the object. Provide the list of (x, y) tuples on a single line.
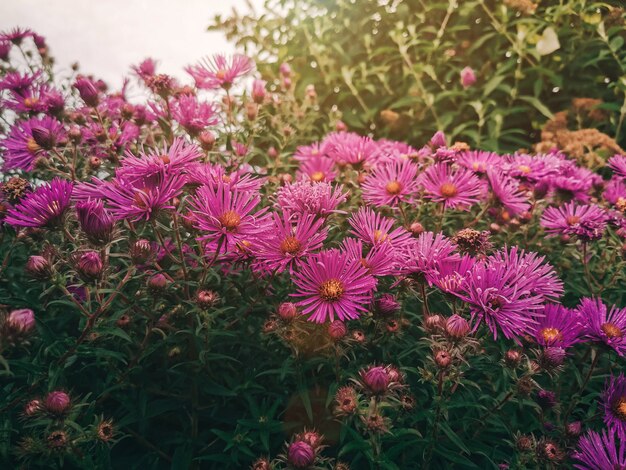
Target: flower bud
[(94, 162), (546, 399), (457, 327), (386, 305), (207, 140), (337, 330), (301, 454), (416, 229), (272, 153), (261, 464), (207, 299), (375, 379), (87, 91), (573, 429), (434, 323), (392, 326), (258, 91), (313, 438), (468, 77), (524, 443), (22, 320), (552, 357), (38, 267), (437, 140), (57, 402), (44, 138), (358, 336), (123, 321), (287, 311), (57, 441), (252, 110), (443, 359), (140, 251), (33, 407), (90, 265), (285, 69), (157, 283), (346, 399), (512, 358), (269, 326), (340, 126), (105, 431), (95, 221)]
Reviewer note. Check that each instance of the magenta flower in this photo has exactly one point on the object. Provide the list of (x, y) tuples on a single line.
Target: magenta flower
[(478, 160), (376, 229), (375, 379), (391, 183), (220, 71), (88, 90), (468, 77), (226, 216), (310, 152), (617, 163), (348, 148), (308, 197), (498, 296), (424, 255), (15, 35), (258, 92), (558, 327), (213, 174), (301, 454), (57, 402), (44, 207), (288, 240), (585, 221), (506, 192), (194, 116), (449, 273), (22, 320), (614, 403), (379, 260), (615, 192), (29, 140), (317, 170), (600, 452), (457, 188), (535, 276), (146, 69), (332, 284), (602, 326)]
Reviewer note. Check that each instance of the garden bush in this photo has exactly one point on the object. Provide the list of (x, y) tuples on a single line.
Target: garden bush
[(228, 275)]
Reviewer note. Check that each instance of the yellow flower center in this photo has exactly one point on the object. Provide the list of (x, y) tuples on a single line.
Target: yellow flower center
[(380, 236), (331, 290), (32, 146), (619, 408), (220, 74), (572, 220), (31, 102), (448, 190), (393, 187), (317, 176), (611, 330), (290, 245), (230, 220), (524, 169), (165, 158), (550, 334)]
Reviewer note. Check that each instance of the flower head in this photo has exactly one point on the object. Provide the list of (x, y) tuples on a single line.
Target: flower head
[(506, 192), (44, 207), (220, 71), (95, 221), (558, 326), (301, 454), (478, 160), (456, 188), (379, 260), (614, 404), (332, 284), (602, 325), (600, 452), (376, 229), (21, 320), (585, 221), (391, 183), (468, 77), (617, 163), (309, 197), (427, 253), (193, 115), (29, 140)]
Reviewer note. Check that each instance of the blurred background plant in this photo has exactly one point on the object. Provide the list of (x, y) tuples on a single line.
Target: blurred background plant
[(502, 75)]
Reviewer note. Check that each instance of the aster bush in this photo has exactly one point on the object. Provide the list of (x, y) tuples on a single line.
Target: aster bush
[(226, 275)]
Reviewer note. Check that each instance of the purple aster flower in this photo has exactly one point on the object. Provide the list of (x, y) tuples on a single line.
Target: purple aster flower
[(535, 276), (600, 452), (288, 240), (18, 84), (573, 182), (496, 295), (614, 403), (617, 163), (308, 197), (478, 160), (468, 77), (213, 174), (391, 183), (226, 216), (375, 229), (5, 49), (586, 221), (506, 192), (192, 114), (44, 207), (379, 260), (145, 69), (608, 328), (88, 90), (456, 188), (558, 326), (332, 284), (15, 35), (348, 148), (310, 152), (317, 170), (449, 274), (220, 71), (29, 140), (615, 193), (424, 255)]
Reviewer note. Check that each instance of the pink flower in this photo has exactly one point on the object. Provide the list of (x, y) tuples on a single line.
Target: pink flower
[(301, 454), (332, 284), (457, 188), (617, 163), (506, 192), (192, 114), (57, 402), (22, 320), (317, 169), (468, 77), (391, 183), (375, 229), (220, 71), (309, 197), (585, 221), (29, 140), (44, 207)]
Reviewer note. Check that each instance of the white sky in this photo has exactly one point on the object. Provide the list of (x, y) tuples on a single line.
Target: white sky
[(108, 36)]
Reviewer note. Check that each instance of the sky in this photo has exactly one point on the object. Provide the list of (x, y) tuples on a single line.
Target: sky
[(108, 36)]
